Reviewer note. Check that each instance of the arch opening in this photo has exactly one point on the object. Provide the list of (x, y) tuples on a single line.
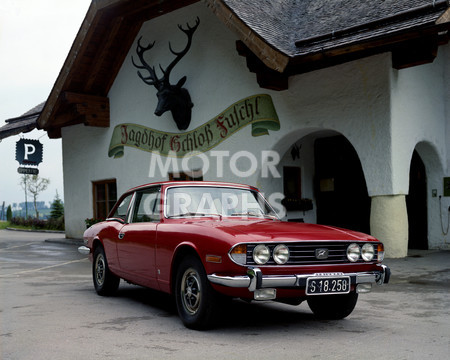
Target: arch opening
[(324, 182), (341, 191)]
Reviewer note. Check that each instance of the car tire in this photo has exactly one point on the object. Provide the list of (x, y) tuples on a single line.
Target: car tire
[(105, 282), (195, 298), (332, 307)]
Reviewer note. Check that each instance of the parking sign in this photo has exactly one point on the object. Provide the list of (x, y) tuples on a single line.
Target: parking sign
[(29, 152)]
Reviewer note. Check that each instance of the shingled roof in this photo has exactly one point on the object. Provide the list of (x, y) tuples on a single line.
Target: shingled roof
[(298, 27), (297, 31), (21, 124), (279, 38)]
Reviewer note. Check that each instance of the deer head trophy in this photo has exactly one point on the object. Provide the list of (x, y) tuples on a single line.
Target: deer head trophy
[(170, 97)]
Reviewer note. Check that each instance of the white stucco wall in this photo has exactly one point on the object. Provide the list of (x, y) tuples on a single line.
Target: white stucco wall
[(418, 115), (351, 99), (419, 98), (376, 108), (82, 159)]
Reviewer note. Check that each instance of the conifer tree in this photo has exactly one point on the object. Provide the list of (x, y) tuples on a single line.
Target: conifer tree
[(57, 208), (9, 213)]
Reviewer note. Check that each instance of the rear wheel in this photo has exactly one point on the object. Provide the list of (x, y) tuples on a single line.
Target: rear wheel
[(105, 282), (195, 298), (332, 307)]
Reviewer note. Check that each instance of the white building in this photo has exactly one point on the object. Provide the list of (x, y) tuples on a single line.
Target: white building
[(359, 119)]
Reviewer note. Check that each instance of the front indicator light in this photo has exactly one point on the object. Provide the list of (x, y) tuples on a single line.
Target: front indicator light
[(261, 254), (239, 254), (281, 254), (367, 252), (214, 259), (353, 252), (380, 252)]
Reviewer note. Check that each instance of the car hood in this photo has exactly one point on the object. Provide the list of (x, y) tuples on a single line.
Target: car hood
[(269, 231)]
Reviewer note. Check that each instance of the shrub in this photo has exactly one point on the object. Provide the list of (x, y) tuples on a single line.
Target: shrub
[(39, 224), (91, 221), (56, 224)]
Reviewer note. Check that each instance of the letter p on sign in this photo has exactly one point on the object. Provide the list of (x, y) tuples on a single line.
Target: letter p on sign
[(29, 152), (30, 149)]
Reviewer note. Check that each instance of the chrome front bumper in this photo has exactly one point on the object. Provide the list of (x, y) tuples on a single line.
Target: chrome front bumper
[(84, 250), (255, 280)]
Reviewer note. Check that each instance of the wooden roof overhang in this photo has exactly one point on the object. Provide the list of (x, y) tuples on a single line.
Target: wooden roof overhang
[(79, 94), (21, 124)]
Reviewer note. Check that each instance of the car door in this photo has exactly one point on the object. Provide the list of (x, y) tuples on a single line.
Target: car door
[(110, 235), (136, 242)]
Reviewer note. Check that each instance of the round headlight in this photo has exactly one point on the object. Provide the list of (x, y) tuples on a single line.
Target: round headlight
[(261, 254), (353, 252), (281, 254), (367, 252)]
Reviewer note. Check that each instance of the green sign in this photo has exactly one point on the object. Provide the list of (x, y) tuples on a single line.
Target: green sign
[(257, 111)]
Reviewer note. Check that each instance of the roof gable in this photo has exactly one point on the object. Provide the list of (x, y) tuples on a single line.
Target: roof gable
[(279, 38)]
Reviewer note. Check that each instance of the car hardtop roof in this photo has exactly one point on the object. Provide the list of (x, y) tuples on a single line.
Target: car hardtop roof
[(193, 183)]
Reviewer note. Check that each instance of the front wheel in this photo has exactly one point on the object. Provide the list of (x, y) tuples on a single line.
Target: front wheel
[(195, 298), (332, 307), (105, 282)]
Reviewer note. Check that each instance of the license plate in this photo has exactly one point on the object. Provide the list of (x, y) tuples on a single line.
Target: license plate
[(327, 285)]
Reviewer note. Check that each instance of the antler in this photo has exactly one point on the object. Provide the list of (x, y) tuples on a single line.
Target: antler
[(179, 55), (152, 79)]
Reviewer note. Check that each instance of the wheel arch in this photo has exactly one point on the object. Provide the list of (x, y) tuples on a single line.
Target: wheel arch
[(181, 252), (95, 244)]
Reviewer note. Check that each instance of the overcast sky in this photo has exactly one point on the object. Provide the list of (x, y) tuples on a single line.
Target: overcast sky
[(35, 38)]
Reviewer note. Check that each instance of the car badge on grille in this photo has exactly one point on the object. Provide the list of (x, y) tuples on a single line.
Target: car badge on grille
[(321, 254)]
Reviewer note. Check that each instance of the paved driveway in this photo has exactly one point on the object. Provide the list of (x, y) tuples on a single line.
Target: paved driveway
[(49, 310)]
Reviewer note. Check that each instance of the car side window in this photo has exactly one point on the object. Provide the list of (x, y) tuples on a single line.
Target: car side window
[(121, 211), (147, 205)]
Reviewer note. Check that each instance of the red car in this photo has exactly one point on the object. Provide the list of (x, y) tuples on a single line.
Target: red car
[(204, 242)]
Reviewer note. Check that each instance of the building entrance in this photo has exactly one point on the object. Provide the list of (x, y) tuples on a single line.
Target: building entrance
[(340, 186), (416, 204)]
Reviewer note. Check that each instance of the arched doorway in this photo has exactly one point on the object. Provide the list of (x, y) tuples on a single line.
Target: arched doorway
[(341, 191), (416, 203)]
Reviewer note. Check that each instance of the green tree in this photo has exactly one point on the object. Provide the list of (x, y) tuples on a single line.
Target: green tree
[(57, 208), (9, 213), (35, 186)]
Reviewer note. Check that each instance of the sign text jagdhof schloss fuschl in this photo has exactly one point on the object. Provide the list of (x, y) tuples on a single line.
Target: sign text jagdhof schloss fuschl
[(257, 110)]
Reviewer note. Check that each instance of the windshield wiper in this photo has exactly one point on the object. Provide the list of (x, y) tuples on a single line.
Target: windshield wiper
[(248, 213), (192, 214), (253, 214)]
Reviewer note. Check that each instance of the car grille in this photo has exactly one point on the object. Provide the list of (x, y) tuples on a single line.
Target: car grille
[(304, 253)]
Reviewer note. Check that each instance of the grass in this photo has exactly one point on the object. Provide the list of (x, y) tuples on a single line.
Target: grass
[(7, 224)]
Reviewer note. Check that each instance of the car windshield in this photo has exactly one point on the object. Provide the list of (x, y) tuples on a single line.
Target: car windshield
[(197, 201)]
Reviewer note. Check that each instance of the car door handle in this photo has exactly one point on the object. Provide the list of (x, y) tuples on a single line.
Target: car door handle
[(121, 236)]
